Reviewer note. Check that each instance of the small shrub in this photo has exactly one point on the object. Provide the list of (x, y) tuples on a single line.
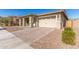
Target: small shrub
[(68, 36)]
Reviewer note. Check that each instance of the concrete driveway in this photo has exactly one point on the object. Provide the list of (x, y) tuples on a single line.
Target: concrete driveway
[(8, 40)]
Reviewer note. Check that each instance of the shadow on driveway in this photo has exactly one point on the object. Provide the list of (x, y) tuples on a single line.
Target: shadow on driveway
[(2, 28)]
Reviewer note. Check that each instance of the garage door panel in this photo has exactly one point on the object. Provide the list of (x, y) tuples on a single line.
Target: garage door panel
[(47, 23)]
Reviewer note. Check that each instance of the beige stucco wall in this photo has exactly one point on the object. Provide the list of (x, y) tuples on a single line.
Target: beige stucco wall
[(63, 21), (75, 23), (51, 22), (72, 23)]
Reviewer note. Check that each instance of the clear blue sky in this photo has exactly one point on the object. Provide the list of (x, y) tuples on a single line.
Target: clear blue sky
[(71, 13)]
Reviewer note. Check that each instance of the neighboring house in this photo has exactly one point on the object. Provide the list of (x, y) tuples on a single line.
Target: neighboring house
[(52, 20)]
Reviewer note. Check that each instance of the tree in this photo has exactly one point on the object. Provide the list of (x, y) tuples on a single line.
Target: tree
[(5, 20)]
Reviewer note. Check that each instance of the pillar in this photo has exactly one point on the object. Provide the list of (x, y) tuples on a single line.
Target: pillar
[(30, 21), (57, 17), (61, 21), (23, 22), (37, 22), (19, 22)]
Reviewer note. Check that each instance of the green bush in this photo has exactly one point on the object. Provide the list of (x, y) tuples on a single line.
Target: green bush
[(68, 36)]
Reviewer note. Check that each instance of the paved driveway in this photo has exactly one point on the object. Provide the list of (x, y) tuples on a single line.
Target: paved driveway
[(29, 35), (22, 38), (8, 40)]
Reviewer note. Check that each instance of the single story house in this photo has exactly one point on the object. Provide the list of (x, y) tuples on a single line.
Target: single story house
[(52, 20)]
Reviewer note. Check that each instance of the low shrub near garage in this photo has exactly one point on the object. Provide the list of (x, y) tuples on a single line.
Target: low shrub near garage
[(68, 36)]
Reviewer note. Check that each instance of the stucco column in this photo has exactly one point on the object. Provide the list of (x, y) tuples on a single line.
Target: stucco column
[(19, 22), (23, 21), (30, 21), (59, 16), (37, 22), (61, 21), (56, 17)]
